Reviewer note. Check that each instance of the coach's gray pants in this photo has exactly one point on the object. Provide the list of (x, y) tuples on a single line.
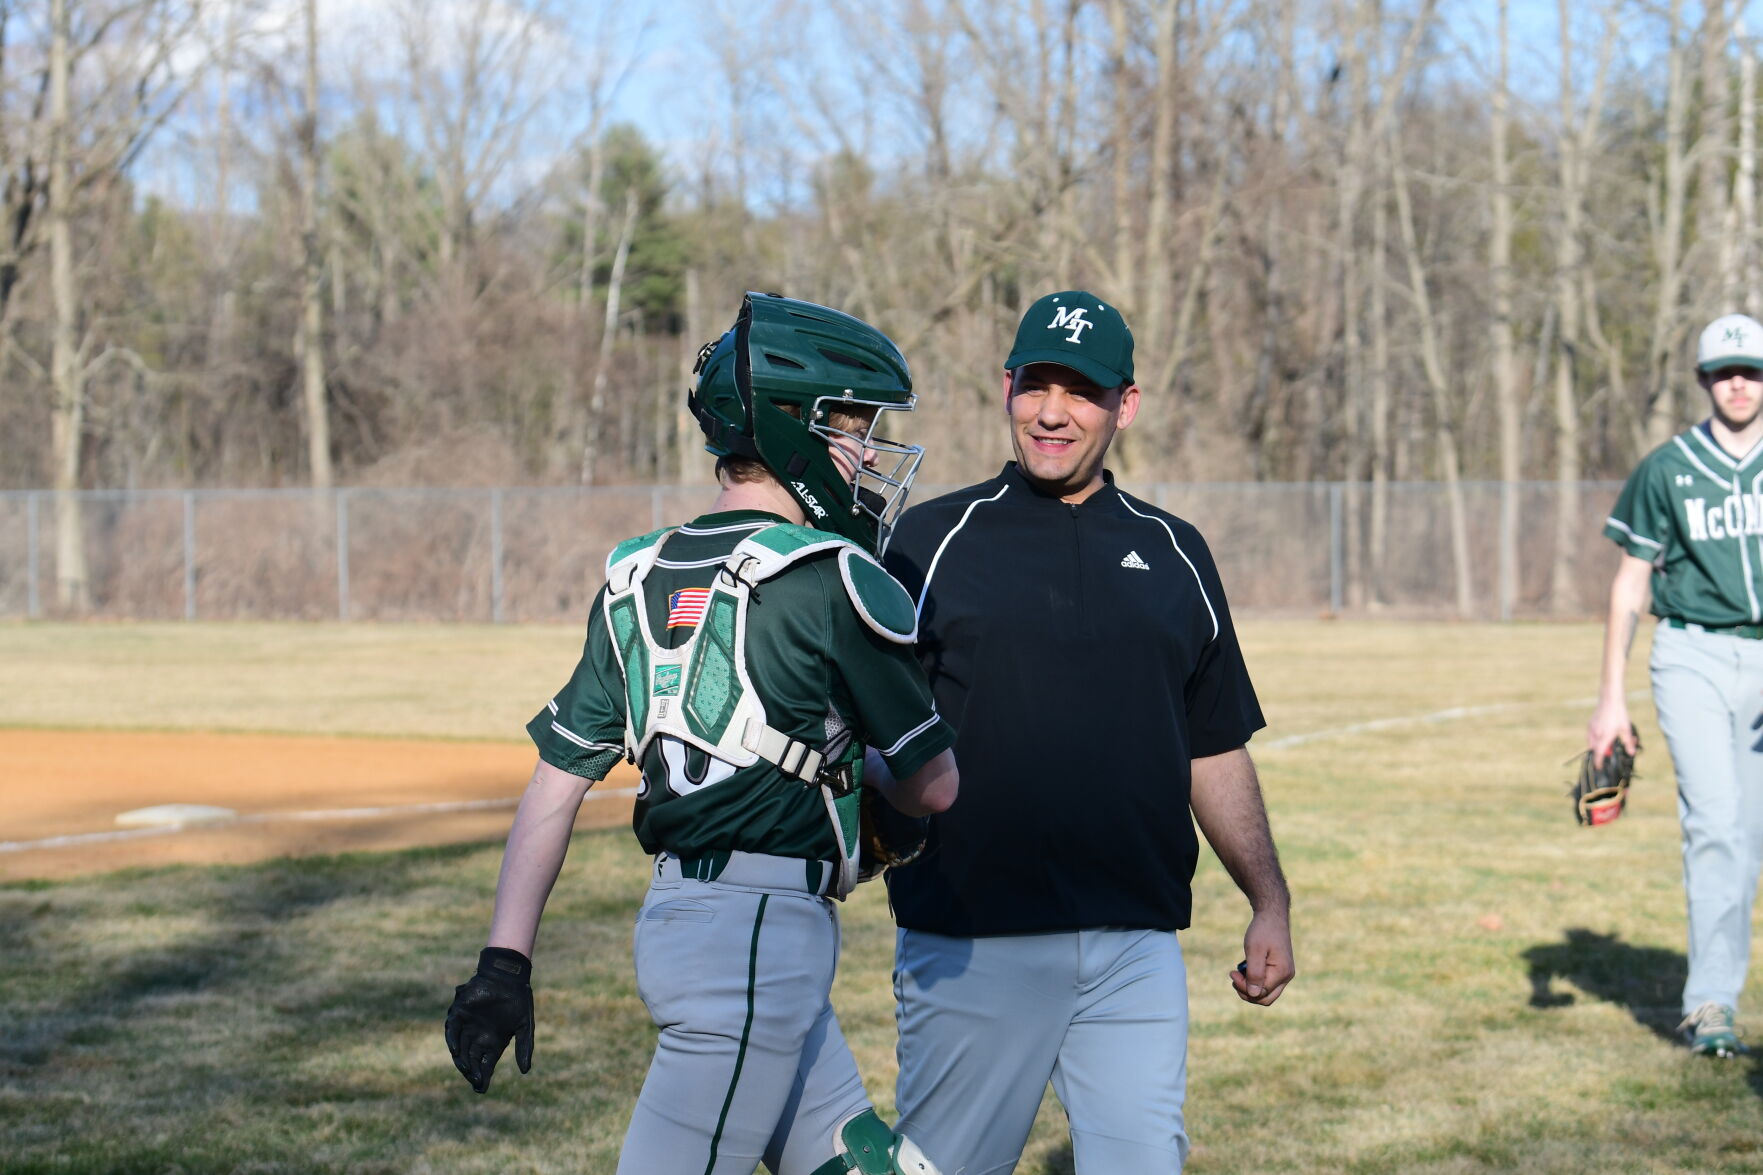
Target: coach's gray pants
[(986, 1022), (1709, 692), (750, 1065)]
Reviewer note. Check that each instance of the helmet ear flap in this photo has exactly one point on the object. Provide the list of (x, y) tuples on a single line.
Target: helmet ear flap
[(721, 404)]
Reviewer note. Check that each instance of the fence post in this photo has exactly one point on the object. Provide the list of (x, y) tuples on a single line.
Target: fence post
[(342, 554), (33, 539), (496, 556), (189, 554), (1336, 547)]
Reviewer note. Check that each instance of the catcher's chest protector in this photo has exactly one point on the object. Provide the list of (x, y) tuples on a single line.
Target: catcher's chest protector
[(701, 692)]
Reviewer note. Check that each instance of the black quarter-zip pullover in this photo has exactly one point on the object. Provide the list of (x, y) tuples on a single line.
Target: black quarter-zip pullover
[(1085, 655)]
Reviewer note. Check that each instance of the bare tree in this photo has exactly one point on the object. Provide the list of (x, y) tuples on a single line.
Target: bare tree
[(1744, 202), (1505, 362), (1666, 206), (1577, 143), (1717, 289), (1433, 365), (597, 433), (66, 377), (309, 339), (129, 100)]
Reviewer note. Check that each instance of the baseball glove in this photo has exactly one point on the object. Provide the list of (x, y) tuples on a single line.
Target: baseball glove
[(1601, 791), (886, 837)]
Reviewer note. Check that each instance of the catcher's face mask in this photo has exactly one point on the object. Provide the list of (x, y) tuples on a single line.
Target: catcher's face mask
[(878, 472)]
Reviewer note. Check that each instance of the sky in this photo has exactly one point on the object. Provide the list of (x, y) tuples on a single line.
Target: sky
[(658, 62)]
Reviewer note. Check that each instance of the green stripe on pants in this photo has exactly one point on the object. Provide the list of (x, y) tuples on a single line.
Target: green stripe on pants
[(746, 1030)]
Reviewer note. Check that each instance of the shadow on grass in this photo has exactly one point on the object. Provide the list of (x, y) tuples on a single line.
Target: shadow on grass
[(1061, 1161), (182, 993), (1648, 981)]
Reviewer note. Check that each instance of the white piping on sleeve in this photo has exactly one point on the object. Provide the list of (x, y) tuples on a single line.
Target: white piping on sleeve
[(1629, 531), (1207, 600), (910, 735), (918, 608), (579, 741)]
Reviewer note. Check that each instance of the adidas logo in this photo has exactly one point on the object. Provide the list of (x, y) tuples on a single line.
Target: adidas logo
[(1132, 560)]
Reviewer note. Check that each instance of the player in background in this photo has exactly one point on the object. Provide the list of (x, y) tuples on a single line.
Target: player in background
[(745, 660), (1078, 638), (1690, 525)]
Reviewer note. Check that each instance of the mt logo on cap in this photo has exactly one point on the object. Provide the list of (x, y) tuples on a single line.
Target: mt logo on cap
[(1075, 329), (1734, 340)]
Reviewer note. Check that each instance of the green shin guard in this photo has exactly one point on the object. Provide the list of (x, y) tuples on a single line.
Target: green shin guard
[(873, 1149)]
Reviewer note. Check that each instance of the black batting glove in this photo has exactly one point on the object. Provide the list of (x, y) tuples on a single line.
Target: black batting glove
[(488, 1009)]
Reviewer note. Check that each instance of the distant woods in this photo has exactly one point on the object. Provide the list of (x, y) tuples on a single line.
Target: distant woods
[(1360, 240)]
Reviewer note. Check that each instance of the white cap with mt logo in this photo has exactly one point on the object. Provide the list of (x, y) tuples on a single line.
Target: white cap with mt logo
[(1733, 340)]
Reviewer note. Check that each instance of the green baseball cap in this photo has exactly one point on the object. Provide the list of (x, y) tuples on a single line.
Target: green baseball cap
[(1078, 330)]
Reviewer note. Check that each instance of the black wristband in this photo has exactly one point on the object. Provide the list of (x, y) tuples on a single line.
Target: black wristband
[(505, 965)]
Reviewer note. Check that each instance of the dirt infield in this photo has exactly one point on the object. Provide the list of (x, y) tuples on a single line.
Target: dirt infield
[(294, 796)]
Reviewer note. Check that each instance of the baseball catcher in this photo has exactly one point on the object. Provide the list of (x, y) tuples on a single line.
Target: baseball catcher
[(747, 662)]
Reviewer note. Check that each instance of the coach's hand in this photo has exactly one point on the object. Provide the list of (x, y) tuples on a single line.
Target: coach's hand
[(1267, 964), (489, 1009)]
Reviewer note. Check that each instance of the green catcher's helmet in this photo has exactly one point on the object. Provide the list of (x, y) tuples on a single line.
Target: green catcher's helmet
[(784, 352)]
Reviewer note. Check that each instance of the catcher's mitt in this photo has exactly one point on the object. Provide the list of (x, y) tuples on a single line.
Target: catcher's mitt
[(886, 837), (1601, 791)]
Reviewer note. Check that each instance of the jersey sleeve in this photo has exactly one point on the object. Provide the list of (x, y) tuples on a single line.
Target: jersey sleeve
[(895, 712), (1640, 522), (1223, 711), (581, 730)]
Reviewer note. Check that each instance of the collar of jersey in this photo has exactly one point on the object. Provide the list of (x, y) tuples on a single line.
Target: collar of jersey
[(723, 519), (1034, 496), (1704, 433)]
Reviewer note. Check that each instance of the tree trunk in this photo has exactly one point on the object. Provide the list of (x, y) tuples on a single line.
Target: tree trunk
[(1718, 269), (1349, 182), (1505, 363), (1745, 186), (68, 413), (1578, 138), (1661, 407), (1126, 239), (1433, 363), (310, 338), (1378, 540), (596, 441), (571, 426), (688, 437)]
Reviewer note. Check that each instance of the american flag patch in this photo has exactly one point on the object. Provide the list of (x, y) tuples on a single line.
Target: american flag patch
[(685, 608)]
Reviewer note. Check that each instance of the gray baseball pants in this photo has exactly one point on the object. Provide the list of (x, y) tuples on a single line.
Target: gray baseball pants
[(1708, 688), (751, 1065), (985, 1023)]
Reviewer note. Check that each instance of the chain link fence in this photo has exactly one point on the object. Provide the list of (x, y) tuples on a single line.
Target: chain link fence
[(508, 555)]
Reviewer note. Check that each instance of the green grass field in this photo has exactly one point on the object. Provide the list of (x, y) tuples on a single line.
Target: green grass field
[(1483, 986)]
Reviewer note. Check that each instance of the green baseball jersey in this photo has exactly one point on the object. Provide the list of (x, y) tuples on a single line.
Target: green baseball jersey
[(824, 677), (1696, 514)]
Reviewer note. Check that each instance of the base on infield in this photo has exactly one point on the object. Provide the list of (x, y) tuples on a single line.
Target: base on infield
[(174, 816)]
